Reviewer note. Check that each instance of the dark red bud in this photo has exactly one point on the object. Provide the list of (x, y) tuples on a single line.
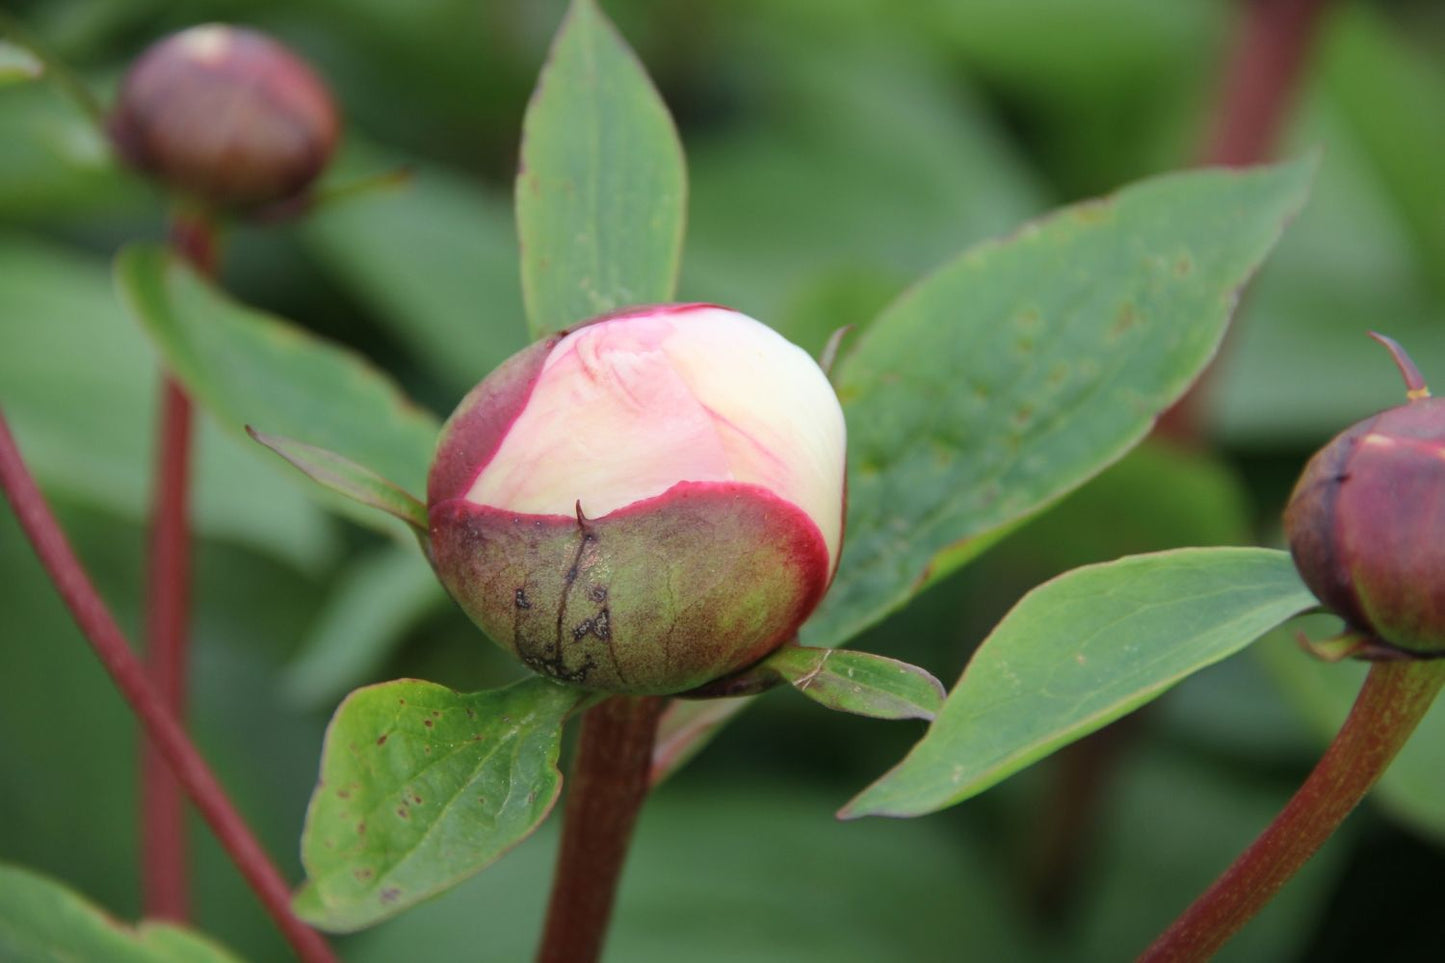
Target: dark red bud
[(1366, 522), (227, 115)]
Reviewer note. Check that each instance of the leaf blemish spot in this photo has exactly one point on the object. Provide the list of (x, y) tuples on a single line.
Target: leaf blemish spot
[(381, 739), (1128, 318)]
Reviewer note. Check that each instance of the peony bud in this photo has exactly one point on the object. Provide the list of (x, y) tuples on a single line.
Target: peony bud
[(225, 114), (644, 504), (1366, 523)]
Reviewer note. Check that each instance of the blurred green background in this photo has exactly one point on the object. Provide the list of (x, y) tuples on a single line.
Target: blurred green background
[(837, 149)]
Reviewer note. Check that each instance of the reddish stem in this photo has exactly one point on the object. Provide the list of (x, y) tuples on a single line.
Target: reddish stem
[(163, 812), (1266, 63), (1393, 700), (1262, 74), (608, 786), (145, 700), (164, 849)]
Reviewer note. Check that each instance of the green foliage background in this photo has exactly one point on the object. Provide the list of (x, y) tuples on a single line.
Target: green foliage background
[(836, 151)]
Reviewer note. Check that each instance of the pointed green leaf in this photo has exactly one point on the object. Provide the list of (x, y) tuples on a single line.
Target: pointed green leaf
[(1028, 365), (420, 788), (43, 921), (347, 478), (249, 368), (602, 183), (859, 682), (1079, 652)]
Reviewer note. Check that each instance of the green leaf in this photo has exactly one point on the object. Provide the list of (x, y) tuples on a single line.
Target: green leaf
[(42, 921), (747, 868), (859, 682), (57, 162), (379, 597), (78, 383), (602, 183), (18, 65), (249, 368), (1079, 652), (1028, 365), (420, 788), (347, 478)]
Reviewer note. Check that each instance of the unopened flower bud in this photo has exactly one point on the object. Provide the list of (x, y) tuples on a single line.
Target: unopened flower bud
[(644, 504), (1366, 522), (227, 115)]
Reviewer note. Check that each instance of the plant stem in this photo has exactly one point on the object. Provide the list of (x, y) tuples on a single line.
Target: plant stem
[(130, 677), (1266, 64), (1393, 700), (608, 786), (163, 820), (164, 871), (1262, 73)]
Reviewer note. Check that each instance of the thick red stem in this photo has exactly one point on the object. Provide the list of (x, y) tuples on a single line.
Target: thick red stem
[(163, 836), (1393, 700), (608, 786), (165, 864), (161, 725)]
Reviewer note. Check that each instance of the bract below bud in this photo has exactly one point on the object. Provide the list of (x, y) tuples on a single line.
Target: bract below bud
[(227, 115), (645, 504), (1366, 524)]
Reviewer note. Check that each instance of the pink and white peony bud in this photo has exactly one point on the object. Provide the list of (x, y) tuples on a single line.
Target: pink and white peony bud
[(646, 503)]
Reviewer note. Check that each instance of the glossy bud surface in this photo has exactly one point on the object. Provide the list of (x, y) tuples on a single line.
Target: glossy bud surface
[(646, 503)]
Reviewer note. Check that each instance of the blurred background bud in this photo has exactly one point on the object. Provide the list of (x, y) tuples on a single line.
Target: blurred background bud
[(227, 115)]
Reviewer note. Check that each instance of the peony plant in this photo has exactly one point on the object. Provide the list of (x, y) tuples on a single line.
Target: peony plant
[(646, 505)]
